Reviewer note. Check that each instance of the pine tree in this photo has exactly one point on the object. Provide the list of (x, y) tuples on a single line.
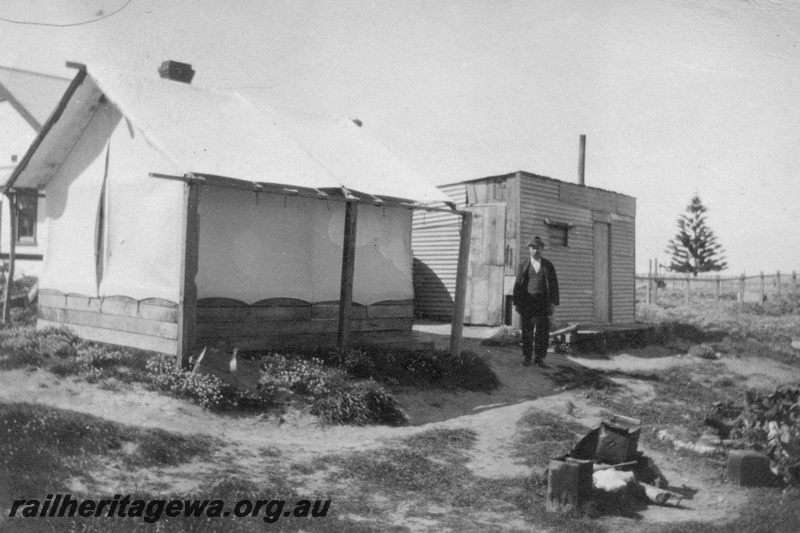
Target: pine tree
[(695, 249)]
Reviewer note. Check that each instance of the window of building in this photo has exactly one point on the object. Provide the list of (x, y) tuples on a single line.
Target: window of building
[(558, 232), (26, 217)]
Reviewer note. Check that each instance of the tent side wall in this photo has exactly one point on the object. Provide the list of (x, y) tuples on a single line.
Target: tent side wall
[(111, 267), (270, 271), (435, 238)]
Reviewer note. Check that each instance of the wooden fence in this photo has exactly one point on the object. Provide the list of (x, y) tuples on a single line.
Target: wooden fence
[(752, 289)]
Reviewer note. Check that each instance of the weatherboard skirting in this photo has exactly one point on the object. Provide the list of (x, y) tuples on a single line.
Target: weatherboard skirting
[(152, 324)]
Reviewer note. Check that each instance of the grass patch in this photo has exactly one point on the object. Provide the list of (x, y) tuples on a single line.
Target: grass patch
[(361, 403), (569, 378), (431, 465), (543, 436), (680, 400), (753, 331), (42, 447), (429, 469), (766, 511)]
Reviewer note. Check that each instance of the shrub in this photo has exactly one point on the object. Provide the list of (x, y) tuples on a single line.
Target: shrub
[(57, 342), (771, 422), (23, 340), (206, 390), (405, 367), (26, 346), (95, 361), (203, 389), (359, 403), (703, 351), (301, 376)]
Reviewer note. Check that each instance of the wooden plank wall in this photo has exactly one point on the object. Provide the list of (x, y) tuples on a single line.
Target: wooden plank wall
[(148, 325), (541, 198), (434, 242), (282, 322), (484, 295)]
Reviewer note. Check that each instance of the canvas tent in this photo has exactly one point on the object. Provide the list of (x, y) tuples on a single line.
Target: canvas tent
[(26, 101), (179, 216)]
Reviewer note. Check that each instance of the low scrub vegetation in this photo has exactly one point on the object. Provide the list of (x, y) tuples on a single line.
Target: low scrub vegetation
[(354, 387)]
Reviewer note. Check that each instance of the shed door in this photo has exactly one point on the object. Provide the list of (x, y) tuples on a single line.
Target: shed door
[(484, 299), (602, 272)]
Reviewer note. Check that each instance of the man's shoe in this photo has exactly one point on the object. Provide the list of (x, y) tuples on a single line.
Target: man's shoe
[(540, 363), (526, 362)]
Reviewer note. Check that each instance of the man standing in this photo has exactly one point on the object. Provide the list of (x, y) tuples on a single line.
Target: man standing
[(535, 297)]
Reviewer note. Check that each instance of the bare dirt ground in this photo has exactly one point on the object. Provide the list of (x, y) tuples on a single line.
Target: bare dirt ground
[(266, 444)]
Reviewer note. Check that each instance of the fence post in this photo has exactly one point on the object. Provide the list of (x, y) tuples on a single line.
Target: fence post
[(716, 293), (655, 284), (648, 296), (741, 292), (780, 292), (688, 285), (761, 286)]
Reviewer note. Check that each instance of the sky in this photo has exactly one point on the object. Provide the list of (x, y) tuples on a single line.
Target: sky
[(676, 98)]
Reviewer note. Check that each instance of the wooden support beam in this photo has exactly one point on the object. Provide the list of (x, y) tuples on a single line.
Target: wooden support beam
[(461, 284), (223, 182), (12, 252), (348, 269), (190, 248)]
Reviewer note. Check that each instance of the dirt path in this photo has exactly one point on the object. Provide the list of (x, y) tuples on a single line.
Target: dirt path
[(258, 444)]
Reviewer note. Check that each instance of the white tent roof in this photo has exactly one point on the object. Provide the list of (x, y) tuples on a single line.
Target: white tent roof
[(33, 94), (203, 131)]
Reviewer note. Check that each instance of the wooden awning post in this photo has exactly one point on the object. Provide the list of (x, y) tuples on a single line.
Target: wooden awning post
[(461, 284), (190, 252), (12, 253), (348, 269)]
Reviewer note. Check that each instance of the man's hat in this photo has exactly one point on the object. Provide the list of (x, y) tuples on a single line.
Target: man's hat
[(537, 241)]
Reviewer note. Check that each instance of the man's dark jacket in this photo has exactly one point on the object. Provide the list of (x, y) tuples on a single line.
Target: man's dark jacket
[(523, 300)]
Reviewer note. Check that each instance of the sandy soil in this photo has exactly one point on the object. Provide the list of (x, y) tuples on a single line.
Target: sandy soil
[(259, 445)]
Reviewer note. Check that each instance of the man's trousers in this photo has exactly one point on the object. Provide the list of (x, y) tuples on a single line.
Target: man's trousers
[(535, 336)]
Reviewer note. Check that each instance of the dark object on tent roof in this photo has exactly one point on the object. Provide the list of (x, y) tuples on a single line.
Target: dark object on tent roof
[(176, 71)]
